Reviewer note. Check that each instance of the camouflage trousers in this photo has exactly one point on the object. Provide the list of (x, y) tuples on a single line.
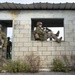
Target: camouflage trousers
[(2, 58), (45, 36), (2, 53)]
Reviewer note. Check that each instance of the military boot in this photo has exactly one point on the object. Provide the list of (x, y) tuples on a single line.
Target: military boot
[(57, 34), (59, 40)]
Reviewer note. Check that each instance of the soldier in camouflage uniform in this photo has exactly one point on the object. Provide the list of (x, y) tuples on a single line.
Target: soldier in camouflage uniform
[(40, 34), (3, 42)]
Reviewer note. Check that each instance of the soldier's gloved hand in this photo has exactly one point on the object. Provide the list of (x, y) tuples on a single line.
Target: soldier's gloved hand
[(4, 48), (46, 31)]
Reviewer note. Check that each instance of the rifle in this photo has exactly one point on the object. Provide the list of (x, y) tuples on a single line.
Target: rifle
[(48, 29)]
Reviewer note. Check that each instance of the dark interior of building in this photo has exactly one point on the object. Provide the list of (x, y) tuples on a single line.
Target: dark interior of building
[(49, 22), (5, 25)]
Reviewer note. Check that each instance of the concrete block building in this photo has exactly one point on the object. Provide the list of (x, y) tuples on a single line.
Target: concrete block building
[(23, 19)]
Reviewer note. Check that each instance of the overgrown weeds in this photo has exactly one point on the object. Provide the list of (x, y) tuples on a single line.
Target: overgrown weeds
[(17, 66), (58, 65), (73, 62), (31, 64), (34, 62), (64, 65)]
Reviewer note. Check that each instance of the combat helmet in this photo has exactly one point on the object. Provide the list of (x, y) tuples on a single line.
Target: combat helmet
[(39, 23)]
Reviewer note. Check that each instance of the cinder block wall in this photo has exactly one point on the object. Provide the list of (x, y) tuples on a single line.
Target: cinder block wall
[(23, 45)]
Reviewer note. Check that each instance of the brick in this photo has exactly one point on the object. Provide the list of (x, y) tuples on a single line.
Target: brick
[(55, 52), (18, 53), (24, 49), (64, 44), (43, 58), (27, 35), (26, 53), (69, 39), (46, 43), (40, 53), (32, 48), (46, 53), (16, 26), (16, 31), (51, 48), (55, 44), (16, 48), (15, 44), (50, 58), (19, 35), (36, 53), (16, 39), (16, 58), (23, 39), (67, 26), (45, 64), (72, 43), (23, 22), (27, 44), (15, 35), (42, 48), (65, 53), (22, 58), (67, 31), (70, 22), (74, 39), (27, 26), (16, 21), (60, 48), (21, 27), (29, 31), (37, 44), (66, 35), (20, 44), (73, 53), (71, 34), (74, 22), (71, 26), (70, 48), (23, 31)]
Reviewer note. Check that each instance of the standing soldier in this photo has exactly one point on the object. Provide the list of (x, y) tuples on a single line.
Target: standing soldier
[(9, 47), (40, 34), (3, 43)]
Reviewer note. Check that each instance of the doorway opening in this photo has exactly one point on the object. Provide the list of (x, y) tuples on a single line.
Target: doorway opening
[(7, 28)]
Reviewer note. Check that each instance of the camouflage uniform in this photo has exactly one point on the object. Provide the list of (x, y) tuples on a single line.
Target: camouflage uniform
[(3, 43), (43, 35), (39, 33)]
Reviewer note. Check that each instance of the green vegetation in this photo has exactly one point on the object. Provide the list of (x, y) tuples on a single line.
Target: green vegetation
[(30, 64), (17, 66), (58, 65)]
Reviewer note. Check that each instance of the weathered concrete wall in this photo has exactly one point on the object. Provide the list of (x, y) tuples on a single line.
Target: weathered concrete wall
[(23, 45)]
